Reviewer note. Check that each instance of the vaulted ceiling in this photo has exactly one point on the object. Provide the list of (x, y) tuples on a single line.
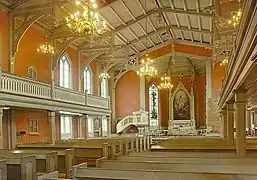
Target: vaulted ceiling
[(138, 26)]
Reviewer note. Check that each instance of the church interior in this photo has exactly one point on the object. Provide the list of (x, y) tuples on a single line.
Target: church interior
[(128, 89)]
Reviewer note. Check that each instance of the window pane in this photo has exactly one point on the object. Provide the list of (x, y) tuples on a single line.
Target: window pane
[(154, 105), (104, 88), (65, 72), (66, 127), (88, 80)]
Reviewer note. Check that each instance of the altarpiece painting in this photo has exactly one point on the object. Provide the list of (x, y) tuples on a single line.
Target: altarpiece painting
[(181, 106)]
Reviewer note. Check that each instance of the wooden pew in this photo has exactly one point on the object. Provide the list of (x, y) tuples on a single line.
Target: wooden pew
[(65, 159), (3, 170), (83, 153), (46, 162), (186, 154), (180, 167), (190, 160), (20, 167), (52, 175), (102, 173)]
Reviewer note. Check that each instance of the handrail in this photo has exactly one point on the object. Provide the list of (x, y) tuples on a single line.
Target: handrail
[(134, 119)]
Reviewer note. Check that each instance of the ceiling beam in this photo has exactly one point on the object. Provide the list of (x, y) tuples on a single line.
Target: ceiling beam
[(4, 7), (158, 31), (56, 33)]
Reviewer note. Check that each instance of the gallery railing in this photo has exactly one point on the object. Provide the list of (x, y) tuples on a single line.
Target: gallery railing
[(16, 85)]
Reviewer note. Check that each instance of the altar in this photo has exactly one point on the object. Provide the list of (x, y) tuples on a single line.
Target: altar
[(181, 112)]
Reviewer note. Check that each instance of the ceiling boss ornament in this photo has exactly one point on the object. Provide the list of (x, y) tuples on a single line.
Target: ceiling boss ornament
[(86, 22)]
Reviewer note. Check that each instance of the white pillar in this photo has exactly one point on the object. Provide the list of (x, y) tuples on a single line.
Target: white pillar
[(109, 126), (79, 70), (208, 87), (240, 114), (11, 130), (52, 127), (230, 122), (248, 121), (223, 119), (142, 92), (113, 119), (1, 128)]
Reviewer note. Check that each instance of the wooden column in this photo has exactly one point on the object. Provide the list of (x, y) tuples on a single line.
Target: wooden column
[(230, 122), (223, 119), (1, 128), (11, 130), (109, 126), (52, 127), (240, 117), (85, 119)]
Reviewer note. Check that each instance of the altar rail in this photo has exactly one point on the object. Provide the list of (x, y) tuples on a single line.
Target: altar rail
[(16, 85)]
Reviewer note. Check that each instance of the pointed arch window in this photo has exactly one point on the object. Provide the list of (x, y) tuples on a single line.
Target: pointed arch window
[(88, 80), (65, 72), (104, 88), (154, 105)]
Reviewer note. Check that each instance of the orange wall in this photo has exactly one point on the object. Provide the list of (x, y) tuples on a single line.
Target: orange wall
[(218, 73), (4, 38), (127, 97), (27, 55), (22, 117), (200, 96)]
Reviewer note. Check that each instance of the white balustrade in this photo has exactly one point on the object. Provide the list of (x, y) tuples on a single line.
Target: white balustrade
[(136, 119), (68, 95), (23, 86), (97, 101)]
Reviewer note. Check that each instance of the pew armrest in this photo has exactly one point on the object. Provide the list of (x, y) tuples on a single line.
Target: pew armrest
[(52, 175), (75, 168), (99, 160)]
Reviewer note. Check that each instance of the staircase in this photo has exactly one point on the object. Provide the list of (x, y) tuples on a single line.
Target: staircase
[(139, 119)]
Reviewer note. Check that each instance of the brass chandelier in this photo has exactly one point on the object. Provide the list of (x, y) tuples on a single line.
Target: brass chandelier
[(236, 16), (87, 22), (165, 83), (46, 48), (146, 68)]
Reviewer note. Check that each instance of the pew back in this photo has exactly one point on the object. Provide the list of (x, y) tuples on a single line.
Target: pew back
[(3, 170), (20, 167)]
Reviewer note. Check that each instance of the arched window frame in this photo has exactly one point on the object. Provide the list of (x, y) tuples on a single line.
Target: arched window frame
[(154, 121), (104, 88), (32, 72), (63, 59), (88, 76)]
